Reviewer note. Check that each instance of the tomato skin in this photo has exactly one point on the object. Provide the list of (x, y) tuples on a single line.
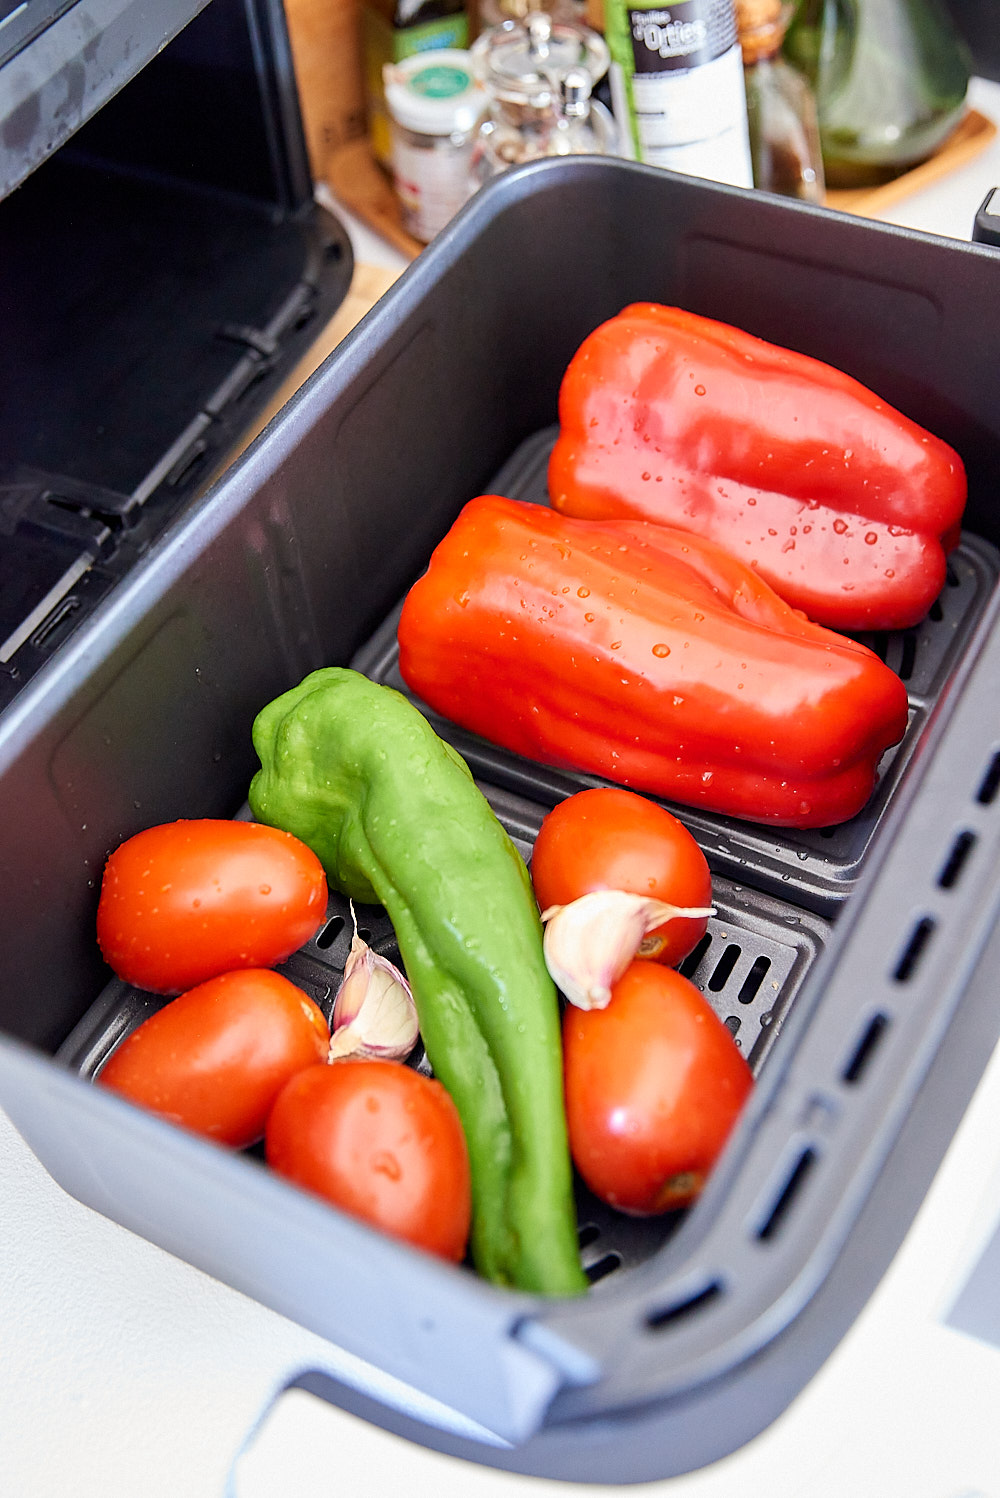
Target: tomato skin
[(608, 838), (189, 900), (654, 1085), (214, 1059), (382, 1142)]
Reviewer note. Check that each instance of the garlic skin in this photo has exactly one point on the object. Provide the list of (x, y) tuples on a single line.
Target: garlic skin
[(373, 1014), (589, 943)]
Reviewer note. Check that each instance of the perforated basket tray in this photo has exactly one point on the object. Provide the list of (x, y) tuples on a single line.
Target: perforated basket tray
[(816, 868), (749, 965)]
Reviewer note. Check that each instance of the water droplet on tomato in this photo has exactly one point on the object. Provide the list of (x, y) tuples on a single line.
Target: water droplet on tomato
[(661, 650)]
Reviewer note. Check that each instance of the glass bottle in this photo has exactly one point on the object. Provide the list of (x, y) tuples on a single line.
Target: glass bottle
[(890, 79), (781, 111), (677, 86)]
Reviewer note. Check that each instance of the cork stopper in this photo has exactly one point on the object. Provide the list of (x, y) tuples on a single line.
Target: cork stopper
[(761, 25)]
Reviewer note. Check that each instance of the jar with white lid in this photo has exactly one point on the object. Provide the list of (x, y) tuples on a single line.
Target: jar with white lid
[(435, 104)]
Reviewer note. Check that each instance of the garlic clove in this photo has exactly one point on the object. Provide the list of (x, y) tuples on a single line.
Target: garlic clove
[(373, 1014), (589, 943)]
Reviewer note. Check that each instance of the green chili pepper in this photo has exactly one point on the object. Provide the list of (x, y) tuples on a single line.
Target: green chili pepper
[(356, 772)]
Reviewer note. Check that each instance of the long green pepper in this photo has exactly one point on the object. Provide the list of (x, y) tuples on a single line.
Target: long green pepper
[(392, 812)]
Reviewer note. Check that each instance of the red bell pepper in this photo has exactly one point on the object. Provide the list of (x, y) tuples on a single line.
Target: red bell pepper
[(648, 656), (846, 507)]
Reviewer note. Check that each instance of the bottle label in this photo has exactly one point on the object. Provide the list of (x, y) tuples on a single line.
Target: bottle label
[(384, 43), (685, 35), (677, 82), (428, 36)]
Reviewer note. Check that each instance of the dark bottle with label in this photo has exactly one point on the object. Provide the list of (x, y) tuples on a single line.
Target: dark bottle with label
[(890, 79), (394, 29), (677, 86), (784, 133)]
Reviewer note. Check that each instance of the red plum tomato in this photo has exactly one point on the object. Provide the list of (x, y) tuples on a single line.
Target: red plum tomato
[(608, 838), (189, 900), (382, 1142), (654, 1084), (214, 1059)]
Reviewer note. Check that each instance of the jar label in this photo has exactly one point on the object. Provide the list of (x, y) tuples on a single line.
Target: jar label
[(439, 81), (432, 182)]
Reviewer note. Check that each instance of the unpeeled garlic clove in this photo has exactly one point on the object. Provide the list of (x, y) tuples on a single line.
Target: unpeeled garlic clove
[(589, 943), (373, 1014)]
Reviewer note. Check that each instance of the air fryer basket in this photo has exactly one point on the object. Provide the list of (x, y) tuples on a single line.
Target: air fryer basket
[(855, 970)]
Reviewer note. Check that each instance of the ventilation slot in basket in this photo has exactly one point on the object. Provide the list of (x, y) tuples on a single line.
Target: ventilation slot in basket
[(990, 782), (724, 967), (865, 1050), (692, 962), (656, 1321), (908, 656), (750, 987), (780, 1211), (603, 1267), (907, 965), (956, 860), (330, 932)]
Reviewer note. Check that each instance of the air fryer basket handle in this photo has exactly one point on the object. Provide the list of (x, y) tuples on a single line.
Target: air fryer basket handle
[(986, 227)]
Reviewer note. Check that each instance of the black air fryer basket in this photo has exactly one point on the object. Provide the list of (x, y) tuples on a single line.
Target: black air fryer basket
[(855, 968)]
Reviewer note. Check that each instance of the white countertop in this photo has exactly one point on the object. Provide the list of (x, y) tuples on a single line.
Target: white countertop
[(124, 1371)]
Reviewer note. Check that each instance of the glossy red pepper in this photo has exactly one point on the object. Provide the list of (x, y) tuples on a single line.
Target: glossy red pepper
[(846, 507), (648, 656)]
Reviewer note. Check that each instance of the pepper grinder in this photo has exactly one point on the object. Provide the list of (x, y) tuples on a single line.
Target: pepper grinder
[(538, 76)]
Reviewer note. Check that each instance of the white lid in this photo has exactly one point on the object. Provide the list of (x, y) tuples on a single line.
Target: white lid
[(434, 93)]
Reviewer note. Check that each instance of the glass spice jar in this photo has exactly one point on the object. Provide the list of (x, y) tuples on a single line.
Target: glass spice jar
[(538, 76), (781, 111), (435, 104)]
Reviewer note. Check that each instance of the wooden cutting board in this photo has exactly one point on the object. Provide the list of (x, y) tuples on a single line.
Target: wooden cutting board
[(969, 137)]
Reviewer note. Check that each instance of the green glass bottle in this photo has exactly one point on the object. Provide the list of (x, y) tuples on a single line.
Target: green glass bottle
[(890, 79)]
